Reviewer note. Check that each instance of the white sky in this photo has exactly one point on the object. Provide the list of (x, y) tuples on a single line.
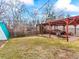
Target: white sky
[(66, 5)]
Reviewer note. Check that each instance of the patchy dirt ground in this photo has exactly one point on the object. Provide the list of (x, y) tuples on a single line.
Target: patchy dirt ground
[(39, 48)]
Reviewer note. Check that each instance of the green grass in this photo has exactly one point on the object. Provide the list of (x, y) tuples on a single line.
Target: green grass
[(36, 47)]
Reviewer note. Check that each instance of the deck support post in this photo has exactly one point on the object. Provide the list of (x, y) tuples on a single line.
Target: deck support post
[(50, 29), (67, 25), (75, 24), (41, 29), (54, 27), (37, 30), (67, 33), (63, 27), (75, 29)]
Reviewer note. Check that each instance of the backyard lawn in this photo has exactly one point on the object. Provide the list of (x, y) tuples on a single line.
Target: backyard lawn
[(36, 47)]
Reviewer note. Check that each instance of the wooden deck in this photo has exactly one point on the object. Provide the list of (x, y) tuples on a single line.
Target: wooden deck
[(71, 38)]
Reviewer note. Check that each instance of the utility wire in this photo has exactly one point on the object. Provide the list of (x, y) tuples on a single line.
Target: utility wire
[(43, 5)]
